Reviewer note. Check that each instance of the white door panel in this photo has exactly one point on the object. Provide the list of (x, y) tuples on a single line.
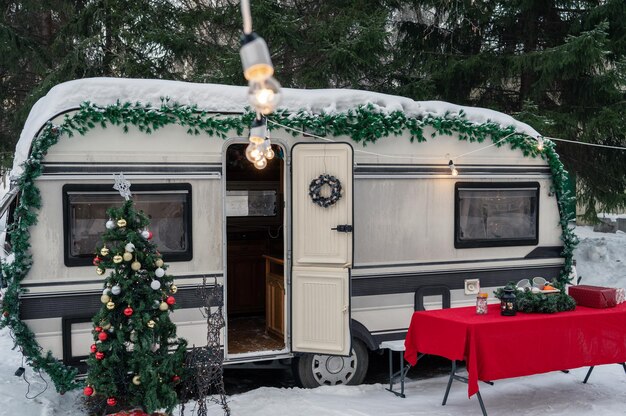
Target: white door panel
[(320, 296), (315, 243), (321, 256)]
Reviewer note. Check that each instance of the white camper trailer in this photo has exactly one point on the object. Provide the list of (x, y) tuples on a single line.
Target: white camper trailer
[(319, 285)]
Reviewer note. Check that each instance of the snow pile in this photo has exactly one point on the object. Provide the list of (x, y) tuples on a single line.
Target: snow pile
[(601, 258), (230, 99)]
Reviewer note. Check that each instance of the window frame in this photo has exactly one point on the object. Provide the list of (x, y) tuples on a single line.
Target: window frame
[(508, 242), (87, 260)]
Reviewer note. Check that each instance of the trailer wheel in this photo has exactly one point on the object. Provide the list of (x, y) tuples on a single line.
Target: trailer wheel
[(314, 370)]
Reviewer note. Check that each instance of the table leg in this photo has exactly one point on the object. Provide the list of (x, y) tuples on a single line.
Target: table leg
[(452, 373), (390, 371), (402, 373), (588, 374), (454, 376), (482, 405)]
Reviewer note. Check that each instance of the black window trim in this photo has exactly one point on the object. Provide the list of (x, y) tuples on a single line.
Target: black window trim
[(491, 242), (87, 260)]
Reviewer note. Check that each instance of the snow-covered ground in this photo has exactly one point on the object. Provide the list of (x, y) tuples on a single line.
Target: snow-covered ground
[(601, 260)]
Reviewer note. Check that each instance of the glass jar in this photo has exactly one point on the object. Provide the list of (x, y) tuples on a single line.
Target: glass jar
[(481, 304)]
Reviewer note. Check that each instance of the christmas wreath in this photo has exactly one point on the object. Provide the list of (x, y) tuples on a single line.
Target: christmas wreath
[(315, 190)]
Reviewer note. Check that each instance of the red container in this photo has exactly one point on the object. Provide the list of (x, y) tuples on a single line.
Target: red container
[(594, 296)]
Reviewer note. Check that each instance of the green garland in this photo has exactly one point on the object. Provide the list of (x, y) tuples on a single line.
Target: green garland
[(529, 302), (363, 125)]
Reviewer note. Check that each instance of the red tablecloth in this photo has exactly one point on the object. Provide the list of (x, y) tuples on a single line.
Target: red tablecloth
[(496, 347)]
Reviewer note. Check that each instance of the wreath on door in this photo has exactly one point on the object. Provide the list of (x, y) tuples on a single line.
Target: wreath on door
[(316, 186)]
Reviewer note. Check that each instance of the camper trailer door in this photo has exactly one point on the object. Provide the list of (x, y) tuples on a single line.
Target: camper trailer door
[(322, 242)]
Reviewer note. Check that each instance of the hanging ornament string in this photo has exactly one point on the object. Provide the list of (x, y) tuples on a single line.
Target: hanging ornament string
[(606, 146)]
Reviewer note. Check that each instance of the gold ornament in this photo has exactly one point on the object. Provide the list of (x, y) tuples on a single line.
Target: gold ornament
[(104, 251), (151, 324), (135, 265), (121, 222), (127, 256), (173, 289), (106, 326), (117, 259), (100, 271), (136, 380), (158, 263), (110, 306), (163, 306), (105, 299)]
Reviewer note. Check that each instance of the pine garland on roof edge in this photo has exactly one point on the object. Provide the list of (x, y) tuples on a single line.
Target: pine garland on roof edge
[(363, 125)]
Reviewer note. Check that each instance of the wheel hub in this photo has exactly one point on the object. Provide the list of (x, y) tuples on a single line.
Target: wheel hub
[(331, 370)]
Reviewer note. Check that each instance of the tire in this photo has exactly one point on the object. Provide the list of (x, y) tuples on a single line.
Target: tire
[(314, 370)]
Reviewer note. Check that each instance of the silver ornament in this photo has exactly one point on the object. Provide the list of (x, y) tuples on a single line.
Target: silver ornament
[(159, 272), (110, 224), (155, 285), (116, 290)]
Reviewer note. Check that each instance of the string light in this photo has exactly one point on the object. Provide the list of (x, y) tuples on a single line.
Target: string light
[(540, 143), (453, 169), (264, 90), (259, 149)]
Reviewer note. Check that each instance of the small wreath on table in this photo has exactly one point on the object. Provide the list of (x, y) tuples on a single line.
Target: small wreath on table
[(315, 190)]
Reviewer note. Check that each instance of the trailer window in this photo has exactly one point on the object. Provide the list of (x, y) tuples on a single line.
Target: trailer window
[(168, 208), (492, 215)]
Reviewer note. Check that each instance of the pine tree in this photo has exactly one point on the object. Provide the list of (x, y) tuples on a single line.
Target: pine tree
[(136, 360), (558, 65)]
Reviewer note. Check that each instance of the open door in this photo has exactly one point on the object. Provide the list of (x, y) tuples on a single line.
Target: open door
[(321, 250)]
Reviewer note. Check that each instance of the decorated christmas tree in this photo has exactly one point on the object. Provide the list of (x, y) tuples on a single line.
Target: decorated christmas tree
[(136, 359)]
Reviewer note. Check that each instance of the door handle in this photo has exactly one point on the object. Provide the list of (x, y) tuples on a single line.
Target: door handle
[(343, 228)]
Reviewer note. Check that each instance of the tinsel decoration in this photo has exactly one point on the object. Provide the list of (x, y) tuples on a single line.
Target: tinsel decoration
[(315, 190), (204, 381), (364, 124)]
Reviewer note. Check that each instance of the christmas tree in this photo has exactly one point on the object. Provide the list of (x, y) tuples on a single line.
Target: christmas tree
[(136, 359)]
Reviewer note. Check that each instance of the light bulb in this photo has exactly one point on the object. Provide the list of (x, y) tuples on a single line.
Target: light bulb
[(260, 163), (251, 152), (264, 95), (453, 169), (540, 144), (269, 153)]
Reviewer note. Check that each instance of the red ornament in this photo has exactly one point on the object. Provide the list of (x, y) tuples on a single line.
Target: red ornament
[(175, 379), (94, 348), (96, 260), (98, 329), (102, 336), (99, 355), (88, 391), (150, 235), (128, 311), (5, 314), (170, 300), (111, 401)]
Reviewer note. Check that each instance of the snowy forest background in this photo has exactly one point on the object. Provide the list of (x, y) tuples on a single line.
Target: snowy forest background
[(559, 65)]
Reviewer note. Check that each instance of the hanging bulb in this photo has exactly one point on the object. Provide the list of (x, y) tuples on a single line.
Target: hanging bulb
[(269, 153), (540, 143), (453, 169), (258, 130), (264, 95), (260, 163), (253, 153), (255, 58)]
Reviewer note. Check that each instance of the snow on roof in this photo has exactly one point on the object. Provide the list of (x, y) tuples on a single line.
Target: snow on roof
[(224, 98)]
